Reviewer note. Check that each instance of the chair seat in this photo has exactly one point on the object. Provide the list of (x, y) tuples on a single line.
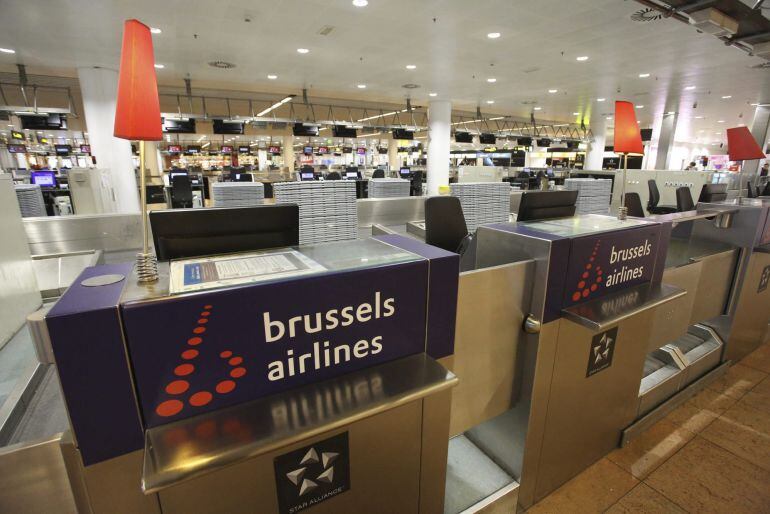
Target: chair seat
[(662, 209)]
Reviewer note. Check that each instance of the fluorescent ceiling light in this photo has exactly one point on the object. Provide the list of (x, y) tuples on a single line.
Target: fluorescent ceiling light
[(155, 30), (727, 97), (644, 75), (7, 50), (576, 114), (272, 77), (538, 108), (361, 86), (490, 101), (640, 107), (159, 66), (720, 121), (699, 117), (360, 3), (432, 94), (275, 106), (609, 118), (302, 50), (493, 35), (381, 115), (411, 67), (600, 99), (552, 91), (689, 88), (670, 113), (582, 58), (491, 80), (497, 118)]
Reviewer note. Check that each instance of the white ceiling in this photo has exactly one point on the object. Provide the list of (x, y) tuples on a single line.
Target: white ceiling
[(445, 39)]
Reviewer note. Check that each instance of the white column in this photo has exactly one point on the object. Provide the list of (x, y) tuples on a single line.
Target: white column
[(393, 162), (154, 163), (666, 142), (287, 151), (595, 154), (760, 129), (99, 88), (439, 125)]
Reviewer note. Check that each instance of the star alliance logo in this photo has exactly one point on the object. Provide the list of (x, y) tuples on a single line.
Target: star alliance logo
[(602, 350), (764, 279), (310, 475)]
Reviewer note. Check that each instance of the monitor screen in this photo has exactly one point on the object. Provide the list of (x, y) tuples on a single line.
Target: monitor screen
[(193, 149), (243, 149), (17, 149), (227, 149), (308, 150), (85, 148), (463, 137), (487, 139), (323, 149), (43, 178), (46, 122), (63, 149), (361, 151), (300, 129), (227, 127), (404, 172), (179, 126), (17, 135), (307, 175), (275, 150), (178, 173), (343, 131), (351, 175), (403, 134), (174, 149)]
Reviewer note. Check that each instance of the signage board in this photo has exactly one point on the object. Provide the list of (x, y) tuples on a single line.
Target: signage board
[(601, 351)]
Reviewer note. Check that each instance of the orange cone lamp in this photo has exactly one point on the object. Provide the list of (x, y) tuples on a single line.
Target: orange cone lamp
[(741, 145), (628, 140), (137, 117)]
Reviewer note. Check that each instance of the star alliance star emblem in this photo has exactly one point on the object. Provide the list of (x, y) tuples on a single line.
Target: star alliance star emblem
[(602, 349)]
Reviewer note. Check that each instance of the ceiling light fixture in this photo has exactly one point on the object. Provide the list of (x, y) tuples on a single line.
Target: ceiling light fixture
[(600, 99), (302, 50), (160, 66), (411, 67), (7, 50), (272, 77), (493, 35), (361, 86), (727, 97), (381, 115), (689, 88), (491, 80), (609, 118), (276, 105), (640, 107), (490, 102), (432, 94), (552, 91), (496, 118), (538, 108), (155, 30), (582, 58), (644, 75), (360, 3), (699, 117), (576, 114), (670, 113), (720, 121)]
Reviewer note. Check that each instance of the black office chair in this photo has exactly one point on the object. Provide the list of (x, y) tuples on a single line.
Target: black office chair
[(188, 233), (766, 190), (633, 203), (543, 205), (415, 187), (713, 193), (684, 199), (750, 191), (445, 224), (333, 176), (181, 192), (652, 204), (378, 174)]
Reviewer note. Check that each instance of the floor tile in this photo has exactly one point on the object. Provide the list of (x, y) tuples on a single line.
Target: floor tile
[(651, 449), (703, 477), (758, 359), (644, 498), (737, 381), (744, 431), (594, 490), (699, 411)]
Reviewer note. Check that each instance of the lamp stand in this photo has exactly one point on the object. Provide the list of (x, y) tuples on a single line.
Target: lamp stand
[(623, 210), (146, 263)]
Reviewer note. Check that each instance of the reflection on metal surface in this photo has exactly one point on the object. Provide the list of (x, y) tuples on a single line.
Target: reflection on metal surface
[(67, 234), (188, 448), (604, 312), (532, 325), (390, 211), (102, 280), (724, 214)]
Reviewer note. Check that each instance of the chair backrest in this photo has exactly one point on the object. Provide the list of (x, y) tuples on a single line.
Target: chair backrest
[(333, 176), (752, 193), (634, 205), (713, 193), (378, 174), (542, 205), (444, 222), (181, 188), (652, 186), (684, 199), (183, 233)]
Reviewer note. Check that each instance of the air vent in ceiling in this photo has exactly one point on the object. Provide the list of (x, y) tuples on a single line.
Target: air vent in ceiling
[(529, 102), (530, 70), (410, 86), (645, 15), (222, 65), (326, 30)]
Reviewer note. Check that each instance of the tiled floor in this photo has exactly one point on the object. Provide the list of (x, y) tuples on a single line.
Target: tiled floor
[(711, 454)]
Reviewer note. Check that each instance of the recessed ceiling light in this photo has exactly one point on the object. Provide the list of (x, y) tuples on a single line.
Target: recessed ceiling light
[(699, 117), (7, 51), (689, 88), (717, 133), (360, 3), (491, 80), (538, 108), (582, 58), (493, 35), (640, 107), (644, 75), (600, 99), (302, 50), (609, 118), (411, 67), (155, 30), (490, 101), (272, 77), (159, 66), (361, 86), (576, 114), (720, 121), (670, 113), (727, 97), (432, 94), (552, 91)]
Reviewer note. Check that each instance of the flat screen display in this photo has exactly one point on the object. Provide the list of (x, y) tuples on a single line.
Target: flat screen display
[(403, 134), (48, 122), (243, 149), (300, 129), (487, 139), (193, 149), (646, 134), (463, 137), (382, 151), (343, 131), (308, 150), (85, 148), (347, 149), (179, 126), (307, 175), (227, 127), (43, 178), (17, 149), (361, 151), (524, 141), (15, 134), (543, 143), (275, 150), (351, 175), (226, 149), (323, 149), (404, 172), (174, 149), (63, 149)]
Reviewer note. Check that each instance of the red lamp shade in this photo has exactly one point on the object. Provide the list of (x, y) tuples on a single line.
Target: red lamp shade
[(137, 114), (741, 145), (628, 139)]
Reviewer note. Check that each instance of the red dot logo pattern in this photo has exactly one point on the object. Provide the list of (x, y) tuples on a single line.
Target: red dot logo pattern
[(591, 279), (184, 372)]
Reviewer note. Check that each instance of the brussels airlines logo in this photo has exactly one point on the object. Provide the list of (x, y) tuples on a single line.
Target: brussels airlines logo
[(313, 474), (591, 279)]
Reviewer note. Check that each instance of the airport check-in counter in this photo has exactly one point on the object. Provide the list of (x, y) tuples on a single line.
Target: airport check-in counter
[(553, 328), (266, 382)]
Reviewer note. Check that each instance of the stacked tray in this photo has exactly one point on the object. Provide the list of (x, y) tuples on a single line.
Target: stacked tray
[(238, 194), (30, 199), (389, 187), (483, 202), (594, 195), (327, 209)]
